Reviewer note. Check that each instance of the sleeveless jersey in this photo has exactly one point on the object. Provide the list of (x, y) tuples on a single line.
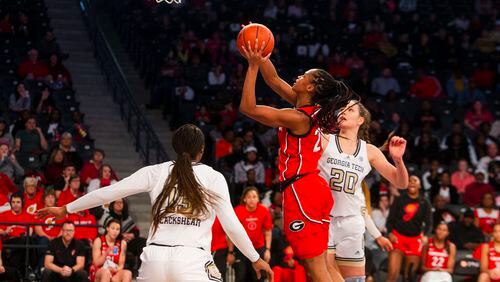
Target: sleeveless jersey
[(436, 258), (493, 257), (299, 154), (486, 220), (344, 174), (114, 256)]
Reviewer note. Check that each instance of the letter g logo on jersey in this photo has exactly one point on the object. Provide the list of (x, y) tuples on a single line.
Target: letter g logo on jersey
[(296, 225)]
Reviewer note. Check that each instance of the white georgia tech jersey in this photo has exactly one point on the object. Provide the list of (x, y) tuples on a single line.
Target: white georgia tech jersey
[(344, 174)]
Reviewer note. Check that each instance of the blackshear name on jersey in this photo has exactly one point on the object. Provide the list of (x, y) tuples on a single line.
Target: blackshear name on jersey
[(344, 173), (180, 220)]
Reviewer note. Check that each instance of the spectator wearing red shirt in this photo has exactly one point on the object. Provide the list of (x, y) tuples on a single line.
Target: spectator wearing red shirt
[(6, 185), (477, 115), (474, 192), (49, 230), (224, 146), (426, 86), (256, 219), (486, 216), (72, 193), (33, 69), (83, 233), (91, 168), (15, 234), (219, 248), (32, 196)]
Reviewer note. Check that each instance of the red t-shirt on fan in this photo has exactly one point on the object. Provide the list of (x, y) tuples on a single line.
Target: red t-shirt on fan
[(219, 240), (67, 197), (82, 232), (17, 230), (32, 205), (52, 230), (255, 223), (300, 154)]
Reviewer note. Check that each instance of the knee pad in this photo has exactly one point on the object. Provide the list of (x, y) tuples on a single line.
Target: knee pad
[(355, 279)]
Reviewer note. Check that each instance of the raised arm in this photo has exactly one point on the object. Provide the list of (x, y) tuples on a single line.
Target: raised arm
[(397, 174), (296, 121), (278, 85)]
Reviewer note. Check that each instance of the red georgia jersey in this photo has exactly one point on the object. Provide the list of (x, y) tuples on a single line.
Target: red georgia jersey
[(493, 257), (300, 154), (436, 258)]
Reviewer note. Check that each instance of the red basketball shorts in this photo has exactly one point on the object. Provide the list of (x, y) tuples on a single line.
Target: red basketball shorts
[(307, 203), (410, 246)]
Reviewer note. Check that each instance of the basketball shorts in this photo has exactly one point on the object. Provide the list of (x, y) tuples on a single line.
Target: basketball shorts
[(174, 264), (436, 276), (410, 246), (306, 215), (346, 240)]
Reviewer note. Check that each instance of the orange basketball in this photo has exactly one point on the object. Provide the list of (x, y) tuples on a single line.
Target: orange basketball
[(253, 31)]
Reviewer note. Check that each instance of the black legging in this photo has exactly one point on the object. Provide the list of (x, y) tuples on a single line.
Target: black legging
[(220, 261), (243, 268)]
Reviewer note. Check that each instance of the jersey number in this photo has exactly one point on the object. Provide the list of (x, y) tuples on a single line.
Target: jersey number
[(182, 205), (317, 146), (437, 262), (343, 180)]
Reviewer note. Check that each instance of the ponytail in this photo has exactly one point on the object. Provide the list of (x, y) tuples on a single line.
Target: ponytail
[(182, 194)]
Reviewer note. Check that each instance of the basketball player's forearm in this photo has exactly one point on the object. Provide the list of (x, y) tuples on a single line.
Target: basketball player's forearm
[(401, 174), (248, 102), (230, 223), (370, 226)]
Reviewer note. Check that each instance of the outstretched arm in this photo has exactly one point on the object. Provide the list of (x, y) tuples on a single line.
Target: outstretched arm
[(278, 85), (296, 121), (142, 180), (397, 174)]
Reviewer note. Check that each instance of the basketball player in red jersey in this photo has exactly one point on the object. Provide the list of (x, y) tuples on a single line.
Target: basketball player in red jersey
[(307, 200), (438, 256), (490, 258)]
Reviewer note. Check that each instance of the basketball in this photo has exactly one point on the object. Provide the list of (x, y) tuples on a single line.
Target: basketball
[(253, 31)]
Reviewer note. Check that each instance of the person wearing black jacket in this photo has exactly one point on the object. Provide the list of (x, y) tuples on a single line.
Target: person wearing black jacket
[(408, 223)]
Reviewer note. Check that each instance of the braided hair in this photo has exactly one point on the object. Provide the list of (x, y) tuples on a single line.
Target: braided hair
[(331, 95)]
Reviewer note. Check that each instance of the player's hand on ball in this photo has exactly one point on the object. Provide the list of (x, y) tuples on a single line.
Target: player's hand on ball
[(397, 147), (254, 55), (384, 243), (260, 265), (58, 212)]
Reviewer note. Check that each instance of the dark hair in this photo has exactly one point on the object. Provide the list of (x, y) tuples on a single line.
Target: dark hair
[(181, 186), (99, 151), (108, 224), (331, 95), (68, 222), (446, 242), (99, 173), (246, 191), (124, 214), (17, 194), (53, 155)]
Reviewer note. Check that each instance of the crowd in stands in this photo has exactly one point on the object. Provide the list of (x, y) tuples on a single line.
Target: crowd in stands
[(47, 159), (427, 70)]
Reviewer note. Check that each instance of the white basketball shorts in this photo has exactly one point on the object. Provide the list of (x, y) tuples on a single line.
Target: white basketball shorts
[(172, 264), (346, 239)]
